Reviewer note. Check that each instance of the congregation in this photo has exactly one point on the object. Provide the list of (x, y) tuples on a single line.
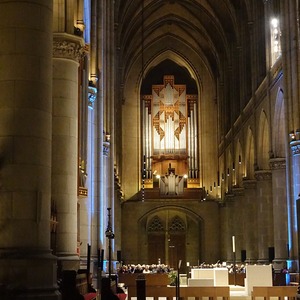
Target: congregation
[(162, 268)]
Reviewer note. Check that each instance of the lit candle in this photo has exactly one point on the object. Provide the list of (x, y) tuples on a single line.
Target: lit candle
[(233, 243)]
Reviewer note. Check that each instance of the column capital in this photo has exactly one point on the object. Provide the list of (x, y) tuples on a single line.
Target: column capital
[(262, 175), (92, 96), (295, 147), (277, 163), (68, 46)]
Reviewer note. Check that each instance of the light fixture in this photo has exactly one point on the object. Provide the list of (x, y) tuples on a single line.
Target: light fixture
[(240, 160), (228, 173), (233, 166), (274, 22), (292, 135)]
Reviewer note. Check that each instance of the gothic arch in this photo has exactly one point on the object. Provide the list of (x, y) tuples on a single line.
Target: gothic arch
[(229, 170), (279, 135), (263, 142), (162, 231), (249, 155), (238, 163)]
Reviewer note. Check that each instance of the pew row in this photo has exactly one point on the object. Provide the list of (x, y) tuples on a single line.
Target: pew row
[(185, 292), (280, 292)]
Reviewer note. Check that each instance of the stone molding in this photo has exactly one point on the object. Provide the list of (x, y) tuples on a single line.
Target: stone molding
[(277, 163), (295, 147), (238, 191), (249, 184), (263, 175), (68, 46), (229, 197)]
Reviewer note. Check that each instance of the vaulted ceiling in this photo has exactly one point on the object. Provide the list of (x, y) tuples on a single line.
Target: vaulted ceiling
[(212, 29)]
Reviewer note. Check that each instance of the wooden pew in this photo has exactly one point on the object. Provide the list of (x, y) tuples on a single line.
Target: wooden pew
[(185, 292), (280, 292), (151, 279), (83, 287)]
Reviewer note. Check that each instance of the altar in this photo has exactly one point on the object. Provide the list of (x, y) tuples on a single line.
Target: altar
[(209, 277)]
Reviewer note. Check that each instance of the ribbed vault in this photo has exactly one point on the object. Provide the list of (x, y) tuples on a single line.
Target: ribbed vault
[(208, 28)]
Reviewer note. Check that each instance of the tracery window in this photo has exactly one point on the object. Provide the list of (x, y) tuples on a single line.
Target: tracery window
[(275, 40), (155, 225), (177, 225)]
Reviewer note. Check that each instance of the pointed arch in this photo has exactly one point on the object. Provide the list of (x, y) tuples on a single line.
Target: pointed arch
[(249, 155), (279, 134), (229, 170), (263, 151), (239, 172)]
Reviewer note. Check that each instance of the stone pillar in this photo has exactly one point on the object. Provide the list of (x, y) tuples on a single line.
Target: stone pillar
[(293, 217), (228, 223), (264, 213), (225, 219), (67, 51), (238, 220), (250, 220), (27, 267), (278, 167)]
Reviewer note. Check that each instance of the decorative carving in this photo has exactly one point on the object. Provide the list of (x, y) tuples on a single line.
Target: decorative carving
[(92, 96), (263, 175), (118, 186), (82, 191), (295, 147), (68, 46), (277, 163)]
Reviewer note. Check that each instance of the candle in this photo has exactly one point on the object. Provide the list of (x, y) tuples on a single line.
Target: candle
[(233, 243)]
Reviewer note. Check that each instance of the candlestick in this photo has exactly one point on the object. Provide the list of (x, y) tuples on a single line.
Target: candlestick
[(233, 243)]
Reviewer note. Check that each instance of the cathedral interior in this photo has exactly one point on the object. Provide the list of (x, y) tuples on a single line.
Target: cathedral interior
[(146, 131)]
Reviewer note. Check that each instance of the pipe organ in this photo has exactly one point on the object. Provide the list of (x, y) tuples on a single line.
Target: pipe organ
[(170, 137)]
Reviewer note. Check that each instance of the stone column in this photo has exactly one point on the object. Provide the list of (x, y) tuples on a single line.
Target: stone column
[(293, 217), (27, 267), (278, 167), (250, 220), (67, 51), (238, 220), (264, 213), (228, 223), (225, 232)]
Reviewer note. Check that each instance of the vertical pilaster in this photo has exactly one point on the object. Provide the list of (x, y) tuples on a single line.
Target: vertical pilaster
[(289, 26), (292, 210), (250, 220), (238, 220), (225, 219), (229, 202), (278, 167), (27, 267), (264, 214), (67, 51)]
